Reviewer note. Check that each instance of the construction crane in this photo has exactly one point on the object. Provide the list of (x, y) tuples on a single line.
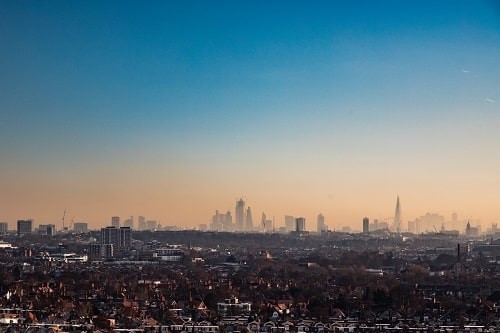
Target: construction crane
[(242, 198)]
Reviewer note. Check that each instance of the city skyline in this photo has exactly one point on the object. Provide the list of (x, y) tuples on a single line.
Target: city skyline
[(223, 221), (171, 110)]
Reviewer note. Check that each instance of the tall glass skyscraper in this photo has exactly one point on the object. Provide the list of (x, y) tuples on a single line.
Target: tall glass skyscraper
[(240, 215)]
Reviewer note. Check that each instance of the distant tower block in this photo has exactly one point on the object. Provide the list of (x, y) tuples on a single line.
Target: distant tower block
[(321, 226), (300, 224), (115, 221), (397, 217), (240, 215), (249, 220), (366, 225)]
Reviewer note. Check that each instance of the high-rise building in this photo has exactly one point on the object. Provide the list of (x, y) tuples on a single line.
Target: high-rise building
[(109, 235), (468, 230), (263, 221), (366, 225), (222, 222), (141, 223), (427, 223), (239, 215), (81, 227), (227, 222), (24, 227), (115, 221), (46, 229), (300, 224), (129, 223), (119, 238), (4, 227), (216, 224), (124, 237), (151, 225), (397, 217), (290, 223), (249, 220), (321, 224), (265, 224)]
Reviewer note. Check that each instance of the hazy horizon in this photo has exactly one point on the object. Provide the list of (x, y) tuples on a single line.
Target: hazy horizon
[(172, 110)]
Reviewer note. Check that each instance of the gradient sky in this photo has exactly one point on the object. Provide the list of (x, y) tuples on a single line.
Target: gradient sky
[(174, 109)]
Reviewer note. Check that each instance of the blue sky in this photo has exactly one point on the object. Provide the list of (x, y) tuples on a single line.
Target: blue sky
[(212, 90)]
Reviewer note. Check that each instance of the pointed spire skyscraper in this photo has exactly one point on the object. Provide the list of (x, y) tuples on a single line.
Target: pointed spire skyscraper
[(397, 217)]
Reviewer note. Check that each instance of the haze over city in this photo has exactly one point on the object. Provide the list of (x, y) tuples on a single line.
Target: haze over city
[(172, 110)]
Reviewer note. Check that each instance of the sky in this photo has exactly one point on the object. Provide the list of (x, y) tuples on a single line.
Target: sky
[(173, 109)]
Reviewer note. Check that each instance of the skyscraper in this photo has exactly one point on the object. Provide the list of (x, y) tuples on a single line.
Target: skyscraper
[(249, 220), (265, 224), (300, 224), (227, 224), (239, 215), (216, 221), (129, 222), (151, 225), (366, 225), (115, 221), (141, 220), (290, 223), (397, 217), (321, 223), (222, 222)]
